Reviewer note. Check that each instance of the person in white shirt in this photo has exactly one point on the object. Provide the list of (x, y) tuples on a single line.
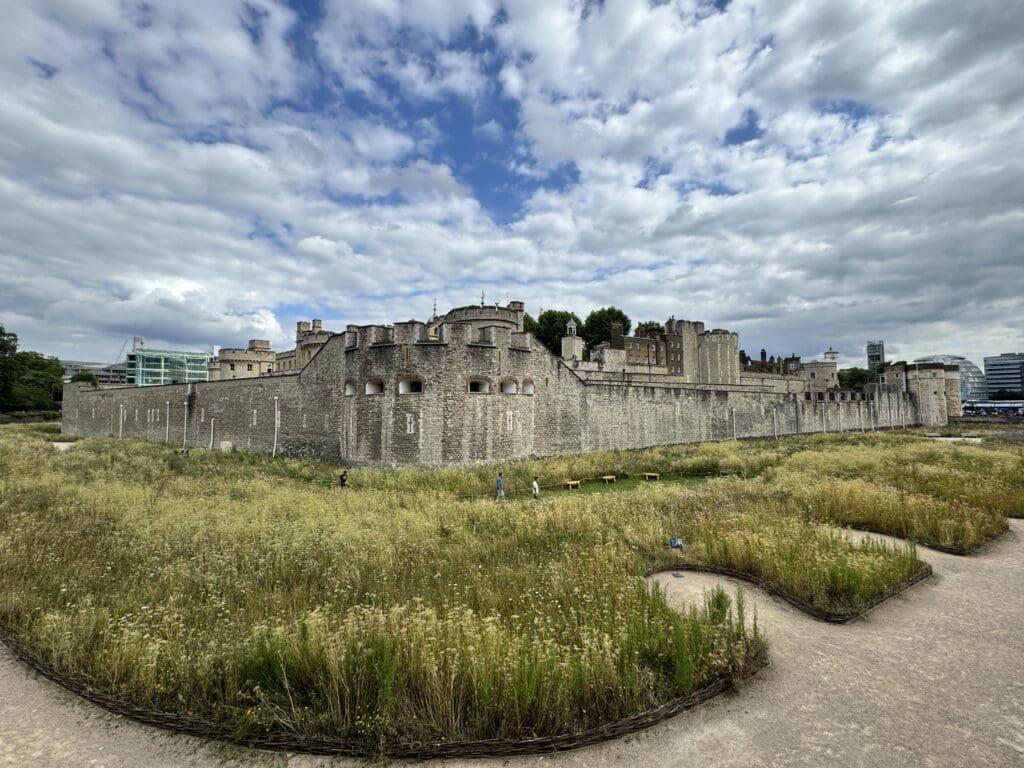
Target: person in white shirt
[(536, 488)]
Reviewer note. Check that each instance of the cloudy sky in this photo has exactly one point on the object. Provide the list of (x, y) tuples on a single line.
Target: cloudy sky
[(806, 173)]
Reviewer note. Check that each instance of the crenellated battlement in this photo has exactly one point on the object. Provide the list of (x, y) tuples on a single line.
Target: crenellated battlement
[(472, 386)]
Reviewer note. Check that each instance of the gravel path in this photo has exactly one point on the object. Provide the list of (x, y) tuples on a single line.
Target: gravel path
[(933, 677)]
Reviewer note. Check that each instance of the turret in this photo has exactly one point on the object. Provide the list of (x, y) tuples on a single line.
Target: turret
[(572, 345)]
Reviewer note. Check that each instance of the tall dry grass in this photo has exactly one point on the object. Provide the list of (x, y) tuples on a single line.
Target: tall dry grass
[(252, 592)]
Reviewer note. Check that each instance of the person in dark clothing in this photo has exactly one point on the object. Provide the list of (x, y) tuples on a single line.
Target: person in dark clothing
[(343, 479)]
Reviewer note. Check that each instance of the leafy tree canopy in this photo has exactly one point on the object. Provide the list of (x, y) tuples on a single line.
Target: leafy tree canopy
[(649, 325), (85, 377), (28, 380), (549, 327), (855, 378), (598, 326), (8, 343)]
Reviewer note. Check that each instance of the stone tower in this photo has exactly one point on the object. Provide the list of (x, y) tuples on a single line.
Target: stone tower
[(572, 345)]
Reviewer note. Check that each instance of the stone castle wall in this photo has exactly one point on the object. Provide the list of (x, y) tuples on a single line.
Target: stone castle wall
[(403, 395)]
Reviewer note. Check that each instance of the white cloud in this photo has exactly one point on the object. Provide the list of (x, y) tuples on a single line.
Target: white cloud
[(173, 176)]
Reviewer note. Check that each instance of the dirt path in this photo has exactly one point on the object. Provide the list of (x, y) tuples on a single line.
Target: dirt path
[(933, 677)]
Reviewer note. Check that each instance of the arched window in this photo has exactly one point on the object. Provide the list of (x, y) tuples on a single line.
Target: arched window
[(375, 387), (350, 388), (480, 386), (410, 386), (509, 387), (527, 386)]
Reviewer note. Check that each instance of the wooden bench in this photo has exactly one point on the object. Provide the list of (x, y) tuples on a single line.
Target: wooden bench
[(608, 478), (570, 484), (652, 476)]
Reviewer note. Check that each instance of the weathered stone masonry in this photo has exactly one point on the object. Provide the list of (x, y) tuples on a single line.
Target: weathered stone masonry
[(470, 390)]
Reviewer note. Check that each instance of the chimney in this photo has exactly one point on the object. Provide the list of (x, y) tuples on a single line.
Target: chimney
[(317, 325)]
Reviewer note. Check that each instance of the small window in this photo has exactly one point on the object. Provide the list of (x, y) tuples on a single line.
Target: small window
[(375, 387), (248, 367), (813, 375), (231, 366), (509, 387), (480, 386), (410, 387), (509, 421), (410, 424), (527, 387), (350, 389)]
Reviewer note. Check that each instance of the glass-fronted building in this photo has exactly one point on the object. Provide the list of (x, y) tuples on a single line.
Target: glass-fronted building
[(876, 355), (972, 381), (1005, 372), (150, 367)]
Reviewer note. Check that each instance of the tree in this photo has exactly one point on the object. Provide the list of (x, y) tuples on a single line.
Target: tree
[(8, 343), (38, 382), (855, 379), (85, 377), (28, 381), (598, 326), (549, 328), (649, 325), (8, 349)]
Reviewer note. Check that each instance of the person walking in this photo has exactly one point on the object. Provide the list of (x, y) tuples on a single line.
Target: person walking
[(536, 489), (343, 479), (500, 483)]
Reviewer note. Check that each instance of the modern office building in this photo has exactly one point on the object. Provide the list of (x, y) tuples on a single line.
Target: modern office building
[(876, 354), (151, 367), (1005, 372), (105, 374), (972, 380)]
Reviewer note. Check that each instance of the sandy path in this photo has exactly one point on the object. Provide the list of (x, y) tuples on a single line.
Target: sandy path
[(933, 677)]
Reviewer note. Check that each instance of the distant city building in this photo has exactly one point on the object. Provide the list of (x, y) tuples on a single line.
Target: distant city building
[(105, 374), (876, 355), (1005, 372), (151, 367), (113, 374), (71, 367), (972, 380)]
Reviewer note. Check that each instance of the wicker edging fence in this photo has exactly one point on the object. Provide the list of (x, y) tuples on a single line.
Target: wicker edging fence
[(484, 748), (944, 548), (285, 741), (832, 617)]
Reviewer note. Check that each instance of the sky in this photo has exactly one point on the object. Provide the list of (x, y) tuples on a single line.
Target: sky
[(808, 174)]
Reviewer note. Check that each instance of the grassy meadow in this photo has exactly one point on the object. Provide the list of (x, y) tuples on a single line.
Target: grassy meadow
[(253, 593)]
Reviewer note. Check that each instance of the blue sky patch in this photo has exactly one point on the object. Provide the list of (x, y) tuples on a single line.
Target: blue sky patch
[(748, 130), (44, 70)]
